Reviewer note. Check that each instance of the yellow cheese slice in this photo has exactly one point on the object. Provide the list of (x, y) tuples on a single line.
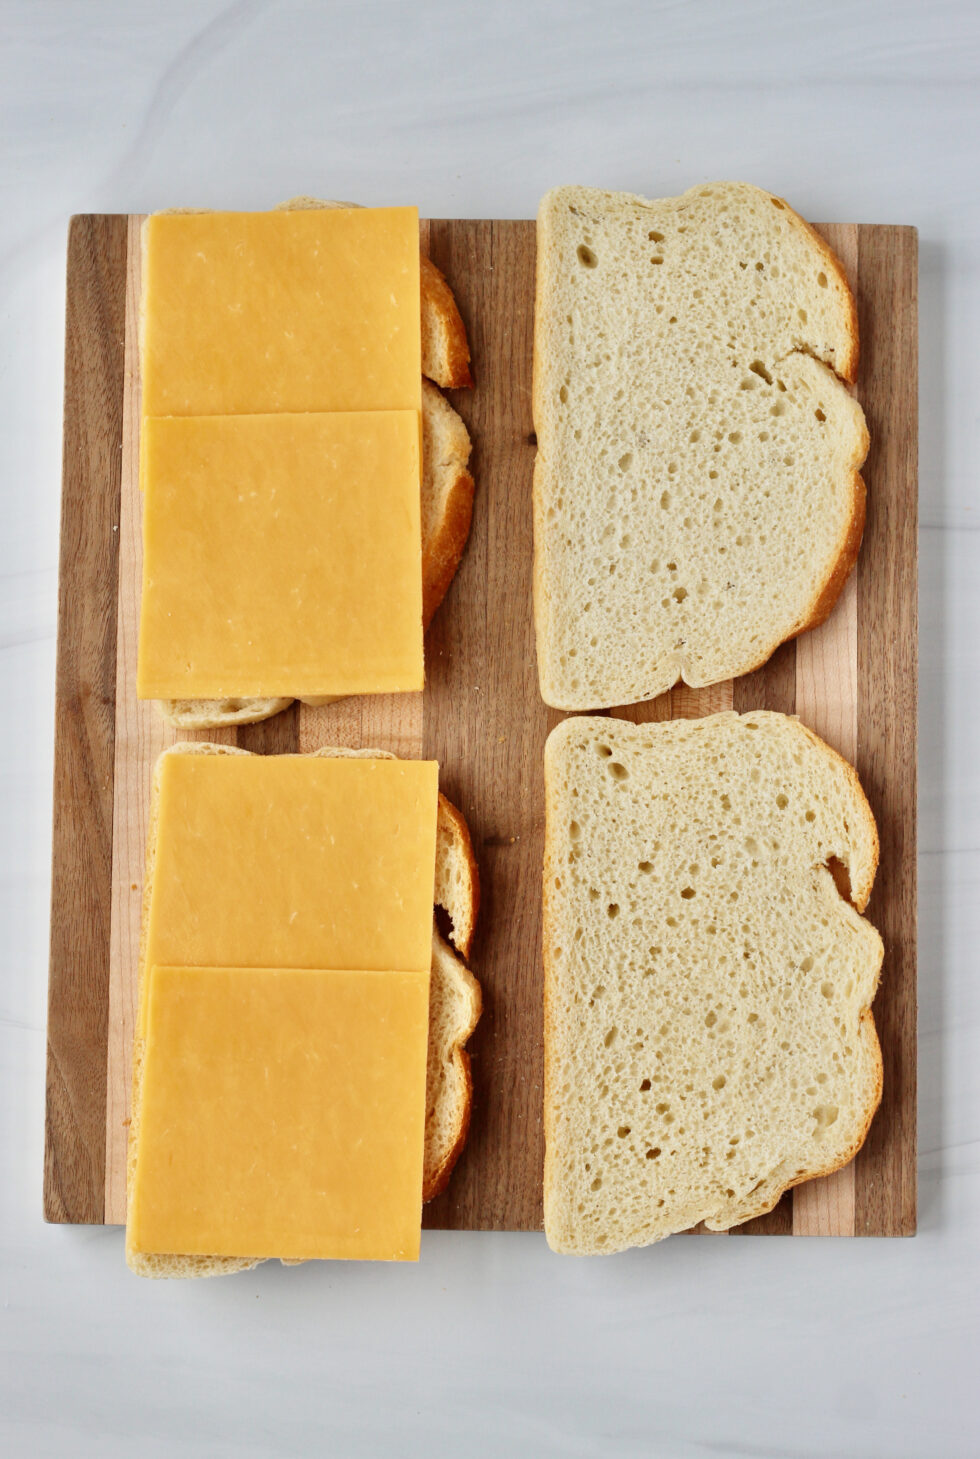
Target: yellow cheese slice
[(292, 861), (247, 313), (282, 1114), (281, 556)]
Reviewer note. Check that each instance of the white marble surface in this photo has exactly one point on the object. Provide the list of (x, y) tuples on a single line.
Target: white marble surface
[(491, 1346)]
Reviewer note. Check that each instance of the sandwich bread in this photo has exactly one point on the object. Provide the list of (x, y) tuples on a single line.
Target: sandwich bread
[(697, 490), (708, 1032)]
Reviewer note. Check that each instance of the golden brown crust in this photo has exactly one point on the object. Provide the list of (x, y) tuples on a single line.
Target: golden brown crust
[(464, 847), (861, 892), (440, 314), (449, 484), (444, 552), (436, 1179), (846, 560), (847, 367)]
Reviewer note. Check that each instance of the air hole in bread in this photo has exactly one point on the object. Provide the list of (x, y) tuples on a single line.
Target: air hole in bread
[(842, 877), (825, 1115), (586, 257)]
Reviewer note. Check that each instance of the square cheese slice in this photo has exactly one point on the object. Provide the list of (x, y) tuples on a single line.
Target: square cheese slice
[(281, 1114), (282, 555), (312, 310), (291, 861)]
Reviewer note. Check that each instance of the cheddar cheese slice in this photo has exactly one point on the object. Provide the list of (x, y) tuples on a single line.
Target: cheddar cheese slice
[(291, 861), (281, 556), (281, 1114), (249, 313)]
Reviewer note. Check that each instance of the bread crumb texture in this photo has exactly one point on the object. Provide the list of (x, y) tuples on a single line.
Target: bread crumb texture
[(708, 1035), (697, 497)]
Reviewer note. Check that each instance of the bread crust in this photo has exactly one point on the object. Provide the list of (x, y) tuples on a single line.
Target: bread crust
[(454, 819), (861, 888), (436, 1177), (444, 544), (440, 309), (847, 367)]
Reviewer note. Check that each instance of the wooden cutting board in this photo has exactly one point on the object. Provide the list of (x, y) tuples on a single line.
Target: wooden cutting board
[(853, 681)]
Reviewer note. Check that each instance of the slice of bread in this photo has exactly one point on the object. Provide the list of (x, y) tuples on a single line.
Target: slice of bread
[(454, 1010), (447, 486), (697, 489), (708, 1032)]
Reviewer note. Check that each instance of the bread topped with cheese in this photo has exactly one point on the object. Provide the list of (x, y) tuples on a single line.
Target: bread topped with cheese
[(447, 486), (697, 488), (454, 1009)]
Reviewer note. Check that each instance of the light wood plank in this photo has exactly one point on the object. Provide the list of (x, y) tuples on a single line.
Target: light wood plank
[(826, 701)]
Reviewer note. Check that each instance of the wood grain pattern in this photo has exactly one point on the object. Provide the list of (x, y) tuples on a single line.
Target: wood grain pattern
[(480, 715), (74, 1130), (887, 654), (486, 724)]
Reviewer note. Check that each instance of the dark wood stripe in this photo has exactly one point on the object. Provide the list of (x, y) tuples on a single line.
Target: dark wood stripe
[(78, 992), (485, 722), (276, 736), (771, 687), (885, 1171)]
